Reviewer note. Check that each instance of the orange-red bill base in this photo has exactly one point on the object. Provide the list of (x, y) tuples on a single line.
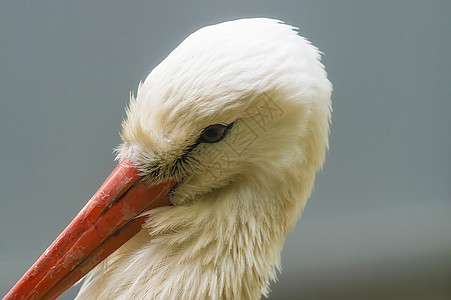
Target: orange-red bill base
[(106, 222)]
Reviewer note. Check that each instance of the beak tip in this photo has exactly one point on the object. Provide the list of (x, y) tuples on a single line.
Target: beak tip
[(106, 222)]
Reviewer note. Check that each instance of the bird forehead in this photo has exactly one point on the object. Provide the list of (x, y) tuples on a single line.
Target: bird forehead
[(213, 73)]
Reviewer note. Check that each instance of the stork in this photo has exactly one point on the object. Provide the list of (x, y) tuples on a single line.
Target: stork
[(219, 153)]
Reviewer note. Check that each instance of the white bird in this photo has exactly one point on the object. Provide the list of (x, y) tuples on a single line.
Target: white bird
[(231, 129)]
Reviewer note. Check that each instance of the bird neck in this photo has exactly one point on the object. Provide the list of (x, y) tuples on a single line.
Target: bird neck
[(226, 245), (229, 241)]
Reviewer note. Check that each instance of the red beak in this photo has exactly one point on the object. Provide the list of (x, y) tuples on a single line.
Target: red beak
[(106, 222)]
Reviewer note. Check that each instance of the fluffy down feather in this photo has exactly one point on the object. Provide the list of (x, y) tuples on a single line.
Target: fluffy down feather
[(239, 197)]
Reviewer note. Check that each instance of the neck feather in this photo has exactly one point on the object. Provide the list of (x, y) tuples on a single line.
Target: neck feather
[(226, 245)]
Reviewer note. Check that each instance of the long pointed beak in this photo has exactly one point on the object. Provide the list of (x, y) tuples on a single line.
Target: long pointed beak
[(107, 221)]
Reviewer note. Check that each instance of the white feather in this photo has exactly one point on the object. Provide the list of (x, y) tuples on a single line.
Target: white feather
[(223, 238)]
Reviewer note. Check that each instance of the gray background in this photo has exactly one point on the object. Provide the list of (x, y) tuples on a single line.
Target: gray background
[(379, 222)]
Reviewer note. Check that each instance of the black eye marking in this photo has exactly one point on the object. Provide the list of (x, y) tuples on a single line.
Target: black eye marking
[(214, 133), (211, 134)]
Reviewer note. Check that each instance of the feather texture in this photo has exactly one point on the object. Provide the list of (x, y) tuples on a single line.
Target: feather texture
[(238, 198)]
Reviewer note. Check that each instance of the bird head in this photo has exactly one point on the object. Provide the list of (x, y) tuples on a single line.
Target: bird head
[(243, 99), (237, 109)]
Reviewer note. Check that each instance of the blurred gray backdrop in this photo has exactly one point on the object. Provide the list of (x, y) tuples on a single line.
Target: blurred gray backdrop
[(378, 225)]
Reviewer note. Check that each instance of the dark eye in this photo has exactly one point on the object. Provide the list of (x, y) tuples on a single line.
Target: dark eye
[(214, 133)]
